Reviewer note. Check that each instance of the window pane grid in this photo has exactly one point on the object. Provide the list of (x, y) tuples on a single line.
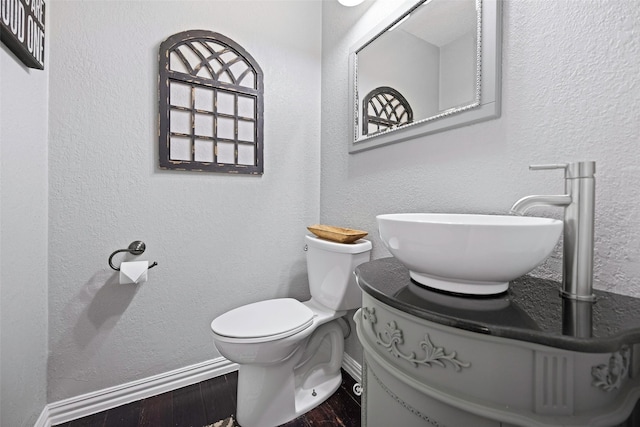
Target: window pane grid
[(241, 143), (212, 98)]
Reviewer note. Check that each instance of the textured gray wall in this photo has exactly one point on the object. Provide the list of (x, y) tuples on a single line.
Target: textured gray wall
[(23, 241), (570, 92), (220, 240)]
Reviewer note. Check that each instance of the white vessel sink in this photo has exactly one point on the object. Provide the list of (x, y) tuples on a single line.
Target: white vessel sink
[(465, 253)]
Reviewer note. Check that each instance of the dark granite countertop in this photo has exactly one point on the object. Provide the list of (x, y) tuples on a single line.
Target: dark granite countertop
[(531, 310)]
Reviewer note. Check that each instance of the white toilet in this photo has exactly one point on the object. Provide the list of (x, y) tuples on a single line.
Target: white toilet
[(290, 352)]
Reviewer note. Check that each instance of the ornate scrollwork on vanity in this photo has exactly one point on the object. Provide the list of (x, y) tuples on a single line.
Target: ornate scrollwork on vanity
[(609, 377), (439, 360), (392, 336)]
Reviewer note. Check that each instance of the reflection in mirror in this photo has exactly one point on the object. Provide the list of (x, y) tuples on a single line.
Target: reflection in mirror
[(431, 54), (435, 61), (384, 108)]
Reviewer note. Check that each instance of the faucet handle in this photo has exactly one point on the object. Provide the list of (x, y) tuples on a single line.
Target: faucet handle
[(551, 166), (571, 170)]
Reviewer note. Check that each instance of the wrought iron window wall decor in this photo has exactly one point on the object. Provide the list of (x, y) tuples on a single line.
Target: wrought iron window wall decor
[(384, 108), (211, 105)]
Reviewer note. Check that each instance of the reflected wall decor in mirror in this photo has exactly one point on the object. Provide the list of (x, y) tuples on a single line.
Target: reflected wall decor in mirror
[(431, 66)]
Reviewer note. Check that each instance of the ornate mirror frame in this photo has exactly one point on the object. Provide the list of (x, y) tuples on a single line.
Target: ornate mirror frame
[(488, 95)]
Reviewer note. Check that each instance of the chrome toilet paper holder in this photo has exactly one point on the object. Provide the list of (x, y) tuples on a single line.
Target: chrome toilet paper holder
[(135, 248)]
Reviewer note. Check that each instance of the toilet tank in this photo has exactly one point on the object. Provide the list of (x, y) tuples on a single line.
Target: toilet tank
[(330, 268)]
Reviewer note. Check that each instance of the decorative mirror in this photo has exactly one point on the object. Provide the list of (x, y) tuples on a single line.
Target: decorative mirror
[(211, 105), (431, 66)]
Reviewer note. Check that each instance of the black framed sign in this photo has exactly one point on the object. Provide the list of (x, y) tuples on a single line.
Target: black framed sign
[(22, 30)]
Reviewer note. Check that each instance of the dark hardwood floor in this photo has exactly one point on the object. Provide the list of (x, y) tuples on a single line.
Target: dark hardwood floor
[(209, 401)]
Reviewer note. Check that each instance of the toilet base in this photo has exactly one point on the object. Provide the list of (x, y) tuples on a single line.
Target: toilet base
[(251, 413), (305, 399), (271, 395)]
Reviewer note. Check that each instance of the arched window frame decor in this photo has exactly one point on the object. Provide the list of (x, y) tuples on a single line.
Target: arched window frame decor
[(216, 121), (389, 108)]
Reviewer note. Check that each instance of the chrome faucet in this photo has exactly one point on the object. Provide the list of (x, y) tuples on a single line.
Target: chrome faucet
[(579, 210)]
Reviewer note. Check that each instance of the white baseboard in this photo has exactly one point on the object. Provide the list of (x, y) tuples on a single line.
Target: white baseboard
[(101, 400), (87, 404), (43, 419), (352, 367)]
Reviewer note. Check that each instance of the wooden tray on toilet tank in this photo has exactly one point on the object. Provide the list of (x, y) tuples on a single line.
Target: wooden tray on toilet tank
[(336, 234)]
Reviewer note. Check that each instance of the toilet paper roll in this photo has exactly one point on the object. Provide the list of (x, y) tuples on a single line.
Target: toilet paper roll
[(133, 272)]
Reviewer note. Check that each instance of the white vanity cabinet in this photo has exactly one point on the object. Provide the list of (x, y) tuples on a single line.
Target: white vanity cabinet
[(443, 361)]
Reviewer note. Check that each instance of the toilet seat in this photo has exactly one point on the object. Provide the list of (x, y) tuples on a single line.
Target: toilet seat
[(263, 321)]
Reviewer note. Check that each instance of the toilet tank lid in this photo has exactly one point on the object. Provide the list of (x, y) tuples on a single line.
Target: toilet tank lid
[(356, 247), (280, 316)]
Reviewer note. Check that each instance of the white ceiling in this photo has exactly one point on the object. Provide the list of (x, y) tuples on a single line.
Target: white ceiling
[(441, 21)]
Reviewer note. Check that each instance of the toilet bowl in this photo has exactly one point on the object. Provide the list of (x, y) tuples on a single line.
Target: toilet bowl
[(290, 352)]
